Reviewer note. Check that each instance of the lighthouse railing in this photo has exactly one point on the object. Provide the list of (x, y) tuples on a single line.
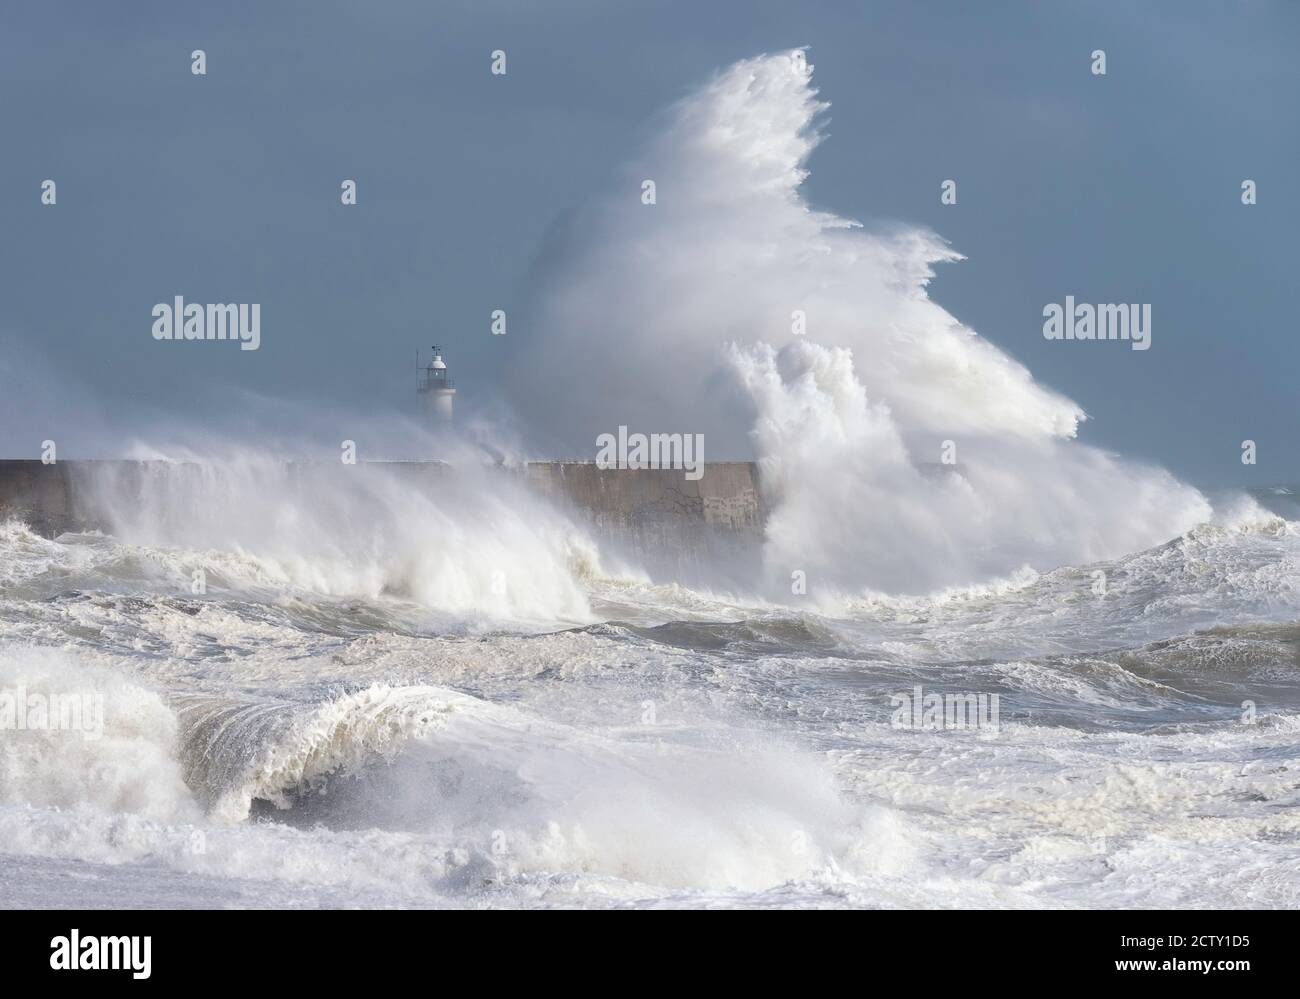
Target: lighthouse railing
[(425, 382)]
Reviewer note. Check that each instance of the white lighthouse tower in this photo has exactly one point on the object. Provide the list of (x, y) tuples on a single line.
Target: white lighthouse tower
[(435, 390)]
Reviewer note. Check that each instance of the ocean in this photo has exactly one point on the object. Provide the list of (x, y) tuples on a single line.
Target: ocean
[(368, 722)]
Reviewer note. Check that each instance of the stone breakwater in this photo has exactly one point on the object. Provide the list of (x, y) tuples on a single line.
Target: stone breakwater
[(657, 514)]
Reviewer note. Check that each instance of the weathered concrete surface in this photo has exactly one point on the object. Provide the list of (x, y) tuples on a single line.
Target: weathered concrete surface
[(726, 496), (709, 529), (45, 497)]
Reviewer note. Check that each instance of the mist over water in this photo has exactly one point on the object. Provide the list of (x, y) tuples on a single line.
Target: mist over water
[(467, 542), (677, 317)]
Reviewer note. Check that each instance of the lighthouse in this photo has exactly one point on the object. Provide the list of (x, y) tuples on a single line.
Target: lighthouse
[(435, 389)]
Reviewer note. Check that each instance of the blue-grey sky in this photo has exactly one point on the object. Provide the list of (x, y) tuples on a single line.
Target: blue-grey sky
[(225, 187)]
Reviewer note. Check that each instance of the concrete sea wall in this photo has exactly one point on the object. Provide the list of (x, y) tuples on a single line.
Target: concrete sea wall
[(707, 531), (653, 514), (48, 498)]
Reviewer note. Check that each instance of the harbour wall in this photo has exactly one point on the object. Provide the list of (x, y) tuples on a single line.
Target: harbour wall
[(654, 515)]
